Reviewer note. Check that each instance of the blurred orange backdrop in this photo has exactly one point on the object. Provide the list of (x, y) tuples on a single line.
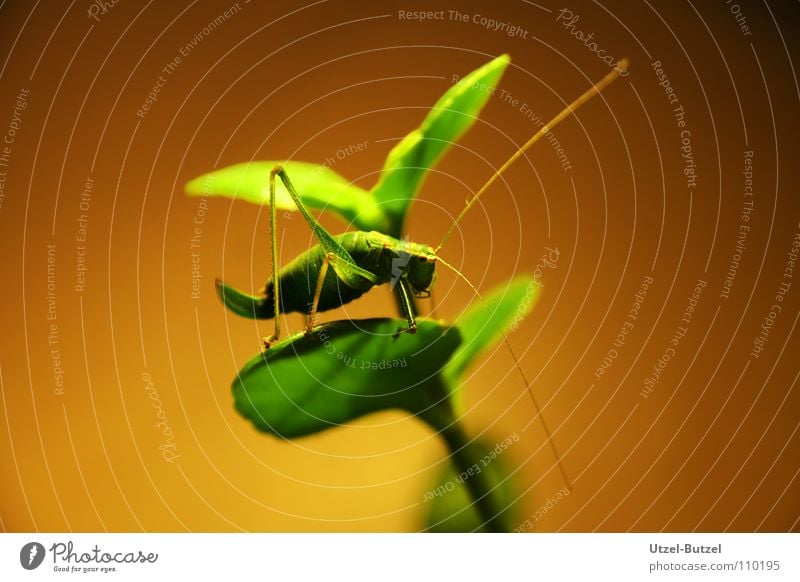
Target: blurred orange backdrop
[(99, 315)]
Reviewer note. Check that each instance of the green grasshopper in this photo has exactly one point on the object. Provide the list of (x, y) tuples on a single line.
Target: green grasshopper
[(346, 266), (341, 268)]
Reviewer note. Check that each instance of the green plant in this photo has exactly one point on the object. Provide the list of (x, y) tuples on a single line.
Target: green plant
[(307, 382)]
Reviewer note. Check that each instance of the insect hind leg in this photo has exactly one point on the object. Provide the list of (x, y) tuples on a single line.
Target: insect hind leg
[(276, 283), (323, 271)]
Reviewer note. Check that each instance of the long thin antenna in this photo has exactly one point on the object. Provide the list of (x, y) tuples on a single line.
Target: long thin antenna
[(544, 130), (521, 371)]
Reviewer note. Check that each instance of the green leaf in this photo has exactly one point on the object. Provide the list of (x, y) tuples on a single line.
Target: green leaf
[(505, 307), (455, 112), (319, 187), (449, 506), (341, 371)]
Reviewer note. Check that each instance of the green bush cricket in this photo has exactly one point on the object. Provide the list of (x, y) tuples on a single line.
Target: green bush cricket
[(341, 268)]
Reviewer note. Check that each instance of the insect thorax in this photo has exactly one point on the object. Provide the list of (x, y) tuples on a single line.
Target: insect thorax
[(391, 259), (405, 259)]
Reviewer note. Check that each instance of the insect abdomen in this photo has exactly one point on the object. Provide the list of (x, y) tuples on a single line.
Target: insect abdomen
[(299, 277)]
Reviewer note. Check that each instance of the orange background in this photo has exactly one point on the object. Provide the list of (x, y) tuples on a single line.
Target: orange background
[(714, 447)]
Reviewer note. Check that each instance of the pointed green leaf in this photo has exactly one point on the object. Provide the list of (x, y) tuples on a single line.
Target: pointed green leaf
[(505, 307), (319, 186), (341, 371), (454, 113)]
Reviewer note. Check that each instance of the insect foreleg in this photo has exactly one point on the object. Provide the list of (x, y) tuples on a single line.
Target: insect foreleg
[(406, 305)]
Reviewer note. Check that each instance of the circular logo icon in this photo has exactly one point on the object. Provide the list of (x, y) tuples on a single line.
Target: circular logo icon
[(31, 555)]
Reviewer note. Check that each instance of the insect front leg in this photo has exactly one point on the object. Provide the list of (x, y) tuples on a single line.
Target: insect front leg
[(404, 295)]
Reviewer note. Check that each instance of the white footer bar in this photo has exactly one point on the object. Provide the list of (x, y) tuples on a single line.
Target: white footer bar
[(401, 557)]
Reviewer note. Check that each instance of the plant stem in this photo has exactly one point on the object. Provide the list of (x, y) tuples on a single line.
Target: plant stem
[(466, 457)]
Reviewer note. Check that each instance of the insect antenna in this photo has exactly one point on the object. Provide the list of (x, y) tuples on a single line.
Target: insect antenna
[(521, 371), (544, 130)]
